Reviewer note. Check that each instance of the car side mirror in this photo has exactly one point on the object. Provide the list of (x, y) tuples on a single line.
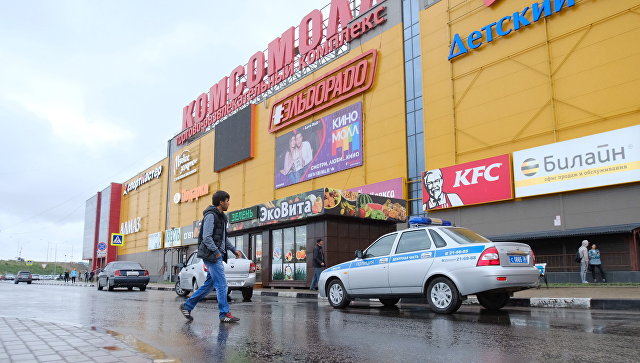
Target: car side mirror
[(359, 254), (181, 265)]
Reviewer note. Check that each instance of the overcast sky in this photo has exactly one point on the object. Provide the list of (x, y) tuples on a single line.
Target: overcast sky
[(90, 92)]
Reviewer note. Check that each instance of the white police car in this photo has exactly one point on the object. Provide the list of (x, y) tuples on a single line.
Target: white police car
[(432, 258)]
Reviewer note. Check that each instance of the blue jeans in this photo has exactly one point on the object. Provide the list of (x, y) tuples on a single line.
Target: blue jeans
[(215, 279), (316, 277)]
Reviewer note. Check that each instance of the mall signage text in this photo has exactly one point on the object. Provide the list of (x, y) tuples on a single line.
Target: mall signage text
[(350, 79), (191, 194), (264, 71), (185, 165), (132, 226), (142, 179), (506, 25), (607, 158)]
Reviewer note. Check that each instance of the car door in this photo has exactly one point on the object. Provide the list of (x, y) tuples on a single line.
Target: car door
[(188, 272), (370, 276), (410, 263), (236, 269)]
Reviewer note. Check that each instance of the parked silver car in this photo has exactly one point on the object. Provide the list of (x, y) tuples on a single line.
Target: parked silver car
[(240, 274), (127, 274), (442, 262)]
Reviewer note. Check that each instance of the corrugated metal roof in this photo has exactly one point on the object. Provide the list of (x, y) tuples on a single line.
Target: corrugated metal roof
[(587, 231)]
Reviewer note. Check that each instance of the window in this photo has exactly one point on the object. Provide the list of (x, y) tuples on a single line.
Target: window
[(289, 254), (413, 241), (192, 259), (437, 239), (381, 247), (464, 236)]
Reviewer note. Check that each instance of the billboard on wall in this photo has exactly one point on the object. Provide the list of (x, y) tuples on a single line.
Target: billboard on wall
[(172, 238), (154, 241), (592, 161), (321, 201), (389, 188), (322, 147), (481, 181)]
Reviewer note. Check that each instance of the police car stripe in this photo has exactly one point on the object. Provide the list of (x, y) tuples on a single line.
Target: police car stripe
[(458, 251)]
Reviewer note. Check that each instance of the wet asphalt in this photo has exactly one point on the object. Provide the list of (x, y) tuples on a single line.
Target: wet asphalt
[(289, 329)]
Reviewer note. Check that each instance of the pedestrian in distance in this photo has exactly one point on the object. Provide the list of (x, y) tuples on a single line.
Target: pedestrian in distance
[(584, 261), (91, 276), (66, 277), (86, 276), (594, 262), (213, 251), (319, 263), (74, 275)]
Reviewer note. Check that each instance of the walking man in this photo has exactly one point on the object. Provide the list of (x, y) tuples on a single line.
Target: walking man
[(213, 251), (318, 263), (584, 262)]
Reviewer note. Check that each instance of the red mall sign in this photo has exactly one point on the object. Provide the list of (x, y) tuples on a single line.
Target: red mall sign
[(264, 71), (348, 80), (481, 181)]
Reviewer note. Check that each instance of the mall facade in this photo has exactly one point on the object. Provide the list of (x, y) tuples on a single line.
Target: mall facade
[(515, 118)]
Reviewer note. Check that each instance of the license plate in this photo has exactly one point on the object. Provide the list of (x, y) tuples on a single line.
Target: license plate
[(518, 259), (132, 273), (233, 283)]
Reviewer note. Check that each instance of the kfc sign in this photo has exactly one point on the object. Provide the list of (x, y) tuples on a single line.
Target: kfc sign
[(476, 182), (284, 57), (350, 79)]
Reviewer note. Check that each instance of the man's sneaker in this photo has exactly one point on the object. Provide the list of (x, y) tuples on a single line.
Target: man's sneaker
[(228, 318), (186, 312)]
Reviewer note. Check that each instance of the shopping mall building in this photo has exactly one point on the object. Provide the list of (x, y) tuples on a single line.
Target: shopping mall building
[(519, 119)]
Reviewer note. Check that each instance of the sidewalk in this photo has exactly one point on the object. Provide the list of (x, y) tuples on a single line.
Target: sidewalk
[(27, 340)]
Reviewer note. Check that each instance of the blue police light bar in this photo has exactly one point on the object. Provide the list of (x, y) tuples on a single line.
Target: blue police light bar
[(415, 221)]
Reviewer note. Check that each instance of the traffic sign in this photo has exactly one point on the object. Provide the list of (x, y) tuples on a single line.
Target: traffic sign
[(117, 239), (29, 262)]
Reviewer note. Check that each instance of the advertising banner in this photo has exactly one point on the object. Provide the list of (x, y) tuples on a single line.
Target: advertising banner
[(172, 238), (353, 204), (185, 162), (188, 236), (388, 188), (322, 147), (592, 161), (476, 182), (154, 241)]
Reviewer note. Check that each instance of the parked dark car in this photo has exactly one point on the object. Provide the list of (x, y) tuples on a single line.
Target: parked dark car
[(123, 274), (23, 276)]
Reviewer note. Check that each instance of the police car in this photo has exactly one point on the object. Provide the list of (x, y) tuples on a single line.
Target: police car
[(432, 258)]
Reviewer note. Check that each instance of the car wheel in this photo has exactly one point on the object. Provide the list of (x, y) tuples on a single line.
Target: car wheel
[(143, 288), (195, 285), (130, 288), (16, 282), (337, 295), (99, 286), (109, 286), (493, 301), (443, 296), (180, 291), (247, 293), (28, 282), (389, 302)]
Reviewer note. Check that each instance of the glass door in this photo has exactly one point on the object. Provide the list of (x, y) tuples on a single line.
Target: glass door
[(255, 241)]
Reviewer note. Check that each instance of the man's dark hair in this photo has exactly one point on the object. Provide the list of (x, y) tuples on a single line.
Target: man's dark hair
[(219, 196), (319, 240)]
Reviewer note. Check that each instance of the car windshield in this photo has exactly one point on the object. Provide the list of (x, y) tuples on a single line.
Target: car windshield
[(127, 265), (463, 235)]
